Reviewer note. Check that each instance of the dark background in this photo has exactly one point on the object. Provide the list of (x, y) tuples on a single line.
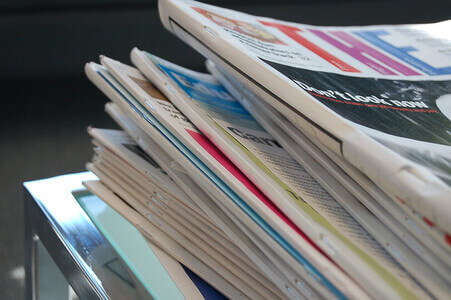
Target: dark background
[(47, 102)]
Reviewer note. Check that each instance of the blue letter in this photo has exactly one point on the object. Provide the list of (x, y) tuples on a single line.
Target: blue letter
[(401, 53)]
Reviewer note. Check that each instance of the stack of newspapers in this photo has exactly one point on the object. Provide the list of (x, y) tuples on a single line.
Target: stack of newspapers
[(310, 162)]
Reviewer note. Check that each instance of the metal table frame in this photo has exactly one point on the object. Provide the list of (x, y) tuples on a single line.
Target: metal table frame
[(54, 217)]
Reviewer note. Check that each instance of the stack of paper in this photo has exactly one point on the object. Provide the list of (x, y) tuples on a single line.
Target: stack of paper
[(311, 162)]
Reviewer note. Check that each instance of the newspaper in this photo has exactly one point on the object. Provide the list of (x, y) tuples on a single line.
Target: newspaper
[(414, 233), (305, 265), (418, 225), (377, 96), (221, 118)]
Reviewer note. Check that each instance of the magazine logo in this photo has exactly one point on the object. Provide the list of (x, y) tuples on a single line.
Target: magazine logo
[(254, 138), (366, 46), (375, 48)]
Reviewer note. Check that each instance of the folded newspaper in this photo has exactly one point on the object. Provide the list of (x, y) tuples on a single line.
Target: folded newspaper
[(311, 162), (378, 96)]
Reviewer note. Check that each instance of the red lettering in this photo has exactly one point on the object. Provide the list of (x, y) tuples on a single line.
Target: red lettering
[(292, 32)]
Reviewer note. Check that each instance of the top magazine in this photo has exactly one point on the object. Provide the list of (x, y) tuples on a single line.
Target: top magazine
[(379, 96)]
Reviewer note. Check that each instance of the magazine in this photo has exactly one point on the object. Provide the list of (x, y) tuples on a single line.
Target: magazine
[(272, 250), (219, 217), (124, 157), (194, 242), (224, 121), (394, 279), (305, 269), (378, 96), (162, 240), (238, 187), (278, 272), (333, 178)]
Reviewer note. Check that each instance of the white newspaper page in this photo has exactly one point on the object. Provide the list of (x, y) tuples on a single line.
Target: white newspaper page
[(378, 95)]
